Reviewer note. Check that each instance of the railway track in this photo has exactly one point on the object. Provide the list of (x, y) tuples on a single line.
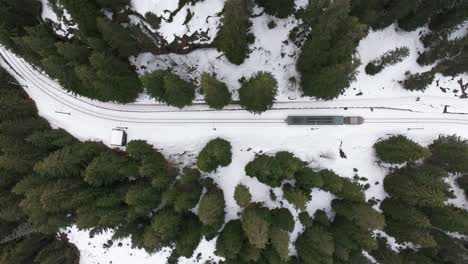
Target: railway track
[(51, 89)]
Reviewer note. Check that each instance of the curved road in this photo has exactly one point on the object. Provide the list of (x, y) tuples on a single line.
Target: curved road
[(404, 110)]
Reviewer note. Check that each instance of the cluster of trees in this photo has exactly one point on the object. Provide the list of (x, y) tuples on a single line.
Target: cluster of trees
[(93, 62), (442, 17), (49, 180), (417, 209), (168, 87), (257, 94), (24, 139), (332, 30), (389, 58), (326, 62)]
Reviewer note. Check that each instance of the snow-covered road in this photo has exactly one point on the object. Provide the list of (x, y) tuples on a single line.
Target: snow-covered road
[(426, 109)]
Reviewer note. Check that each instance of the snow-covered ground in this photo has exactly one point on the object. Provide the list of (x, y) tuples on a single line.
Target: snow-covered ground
[(180, 134), (249, 134)]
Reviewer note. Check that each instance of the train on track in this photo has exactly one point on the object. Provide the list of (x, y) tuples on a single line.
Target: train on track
[(324, 120)]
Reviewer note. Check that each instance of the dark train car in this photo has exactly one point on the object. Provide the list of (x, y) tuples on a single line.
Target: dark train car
[(324, 120)]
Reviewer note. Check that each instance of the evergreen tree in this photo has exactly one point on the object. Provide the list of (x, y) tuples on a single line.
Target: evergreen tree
[(352, 191), (404, 213), (418, 81), (167, 224), (73, 52), (315, 245), (242, 195), (450, 153), (216, 92), (141, 198), (257, 94), (218, 152), (387, 59), (256, 226), (273, 170), (108, 168), (232, 38), (331, 181), (418, 186), (139, 149), (189, 236), (168, 87), (231, 240), (280, 241), (449, 218), (118, 37), (296, 197), (282, 218), (361, 214), (463, 183), (278, 8), (211, 208), (155, 168), (350, 239), (326, 61), (185, 193), (57, 251), (399, 149), (51, 140), (112, 79), (306, 179), (405, 232), (84, 13)]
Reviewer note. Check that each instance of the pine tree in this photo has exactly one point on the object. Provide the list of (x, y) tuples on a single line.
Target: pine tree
[(113, 79), (51, 140), (331, 181), (142, 198), (326, 61), (449, 218), (118, 37), (280, 241), (139, 149), (278, 8), (189, 236), (218, 152), (231, 240), (273, 170), (185, 193), (167, 224), (418, 186), (450, 153), (399, 211), (216, 92), (418, 81), (362, 215), (232, 38), (211, 208), (242, 195), (306, 179), (282, 218), (257, 94), (296, 197), (255, 225), (400, 149), (352, 191), (405, 232), (155, 168), (108, 168), (168, 87), (315, 245)]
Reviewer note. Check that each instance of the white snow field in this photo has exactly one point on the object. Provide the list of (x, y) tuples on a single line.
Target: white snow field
[(180, 134)]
